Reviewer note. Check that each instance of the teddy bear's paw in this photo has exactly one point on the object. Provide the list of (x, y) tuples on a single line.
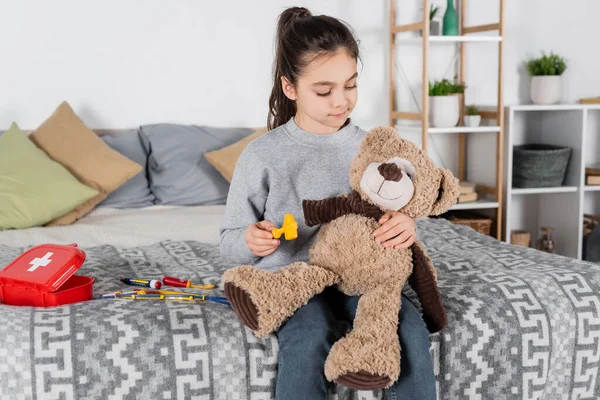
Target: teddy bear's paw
[(363, 363), (243, 286), (242, 305), (363, 380)]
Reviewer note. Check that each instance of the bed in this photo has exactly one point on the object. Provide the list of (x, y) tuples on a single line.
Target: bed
[(522, 324)]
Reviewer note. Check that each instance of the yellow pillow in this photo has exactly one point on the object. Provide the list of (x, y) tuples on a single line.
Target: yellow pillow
[(66, 140), (224, 159)]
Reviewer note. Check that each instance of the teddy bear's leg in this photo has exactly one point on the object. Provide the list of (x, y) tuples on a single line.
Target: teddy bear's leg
[(368, 358), (424, 282), (264, 300)]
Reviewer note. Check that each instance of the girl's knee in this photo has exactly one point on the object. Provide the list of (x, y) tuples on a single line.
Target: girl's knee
[(409, 313), (309, 333)]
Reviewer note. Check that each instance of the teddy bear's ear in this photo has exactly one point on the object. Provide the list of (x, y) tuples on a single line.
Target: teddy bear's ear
[(448, 193), (377, 136)]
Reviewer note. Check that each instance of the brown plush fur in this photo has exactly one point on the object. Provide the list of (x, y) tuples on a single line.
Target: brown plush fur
[(279, 294), (382, 144), (372, 345), (346, 247), (345, 253)]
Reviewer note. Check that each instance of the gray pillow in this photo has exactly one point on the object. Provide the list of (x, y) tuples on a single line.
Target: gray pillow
[(135, 192), (178, 172)]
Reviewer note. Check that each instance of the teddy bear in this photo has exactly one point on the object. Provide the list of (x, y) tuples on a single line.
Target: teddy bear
[(388, 173)]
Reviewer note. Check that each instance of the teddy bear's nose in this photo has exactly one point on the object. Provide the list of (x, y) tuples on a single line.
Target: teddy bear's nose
[(390, 172)]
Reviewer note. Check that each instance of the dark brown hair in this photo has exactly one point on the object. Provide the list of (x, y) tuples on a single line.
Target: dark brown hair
[(301, 38)]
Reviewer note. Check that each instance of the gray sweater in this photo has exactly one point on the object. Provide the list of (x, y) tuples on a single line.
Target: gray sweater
[(274, 173)]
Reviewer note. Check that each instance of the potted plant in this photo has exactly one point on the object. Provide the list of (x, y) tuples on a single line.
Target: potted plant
[(435, 28), (472, 117), (546, 81), (444, 103)]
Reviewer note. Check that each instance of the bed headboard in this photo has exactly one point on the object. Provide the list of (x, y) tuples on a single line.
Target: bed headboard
[(98, 132)]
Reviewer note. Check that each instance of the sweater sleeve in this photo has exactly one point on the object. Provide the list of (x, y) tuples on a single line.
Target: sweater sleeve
[(245, 206)]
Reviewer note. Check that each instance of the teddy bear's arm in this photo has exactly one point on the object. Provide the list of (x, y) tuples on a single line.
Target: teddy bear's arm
[(322, 211), (424, 282)]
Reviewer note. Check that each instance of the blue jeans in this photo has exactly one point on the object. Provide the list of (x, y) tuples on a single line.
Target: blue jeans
[(306, 338)]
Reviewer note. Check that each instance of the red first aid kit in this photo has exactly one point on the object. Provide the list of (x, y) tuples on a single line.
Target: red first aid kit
[(43, 276)]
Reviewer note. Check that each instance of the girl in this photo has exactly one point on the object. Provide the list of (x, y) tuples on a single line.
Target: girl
[(307, 155)]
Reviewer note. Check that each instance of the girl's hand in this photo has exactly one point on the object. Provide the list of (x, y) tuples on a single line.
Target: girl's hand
[(397, 230), (259, 238)]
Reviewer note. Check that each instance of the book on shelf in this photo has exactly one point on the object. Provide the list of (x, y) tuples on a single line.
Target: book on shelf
[(592, 174), (467, 197), (466, 187), (590, 100), (593, 169), (592, 180)]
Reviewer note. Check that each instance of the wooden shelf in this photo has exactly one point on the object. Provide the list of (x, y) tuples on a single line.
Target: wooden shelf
[(418, 34), (559, 189), (476, 205)]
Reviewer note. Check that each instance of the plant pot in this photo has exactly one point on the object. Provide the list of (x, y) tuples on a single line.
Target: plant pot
[(444, 111), (472, 120), (435, 28), (546, 89)]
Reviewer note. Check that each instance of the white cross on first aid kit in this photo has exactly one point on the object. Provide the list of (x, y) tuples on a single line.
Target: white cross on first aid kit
[(40, 262)]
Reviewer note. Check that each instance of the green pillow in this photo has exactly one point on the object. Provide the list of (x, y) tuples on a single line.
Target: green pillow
[(34, 189)]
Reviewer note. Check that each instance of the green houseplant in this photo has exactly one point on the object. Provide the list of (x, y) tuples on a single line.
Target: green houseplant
[(444, 103), (546, 81), (472, 117)]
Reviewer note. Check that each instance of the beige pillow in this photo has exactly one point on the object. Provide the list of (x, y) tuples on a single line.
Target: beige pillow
[(66, 140), (224, 159)]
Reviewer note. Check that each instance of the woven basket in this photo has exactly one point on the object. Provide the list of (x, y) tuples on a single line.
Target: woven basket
[(479, 224), (520, 238), (539, 165)]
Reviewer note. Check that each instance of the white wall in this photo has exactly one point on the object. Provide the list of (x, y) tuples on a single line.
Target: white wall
[(122, 63)]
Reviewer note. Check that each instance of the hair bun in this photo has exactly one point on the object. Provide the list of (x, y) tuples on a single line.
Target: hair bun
[(297, 13), (292, 14)]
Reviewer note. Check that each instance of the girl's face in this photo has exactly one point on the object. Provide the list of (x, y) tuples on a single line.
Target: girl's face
[(325, 94)]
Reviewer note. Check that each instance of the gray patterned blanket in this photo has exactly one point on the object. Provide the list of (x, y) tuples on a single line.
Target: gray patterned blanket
[(523, 325)]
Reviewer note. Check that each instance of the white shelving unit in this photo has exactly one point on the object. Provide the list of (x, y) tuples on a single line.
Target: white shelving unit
[(562, 208), (561, 189), (466, 129)]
